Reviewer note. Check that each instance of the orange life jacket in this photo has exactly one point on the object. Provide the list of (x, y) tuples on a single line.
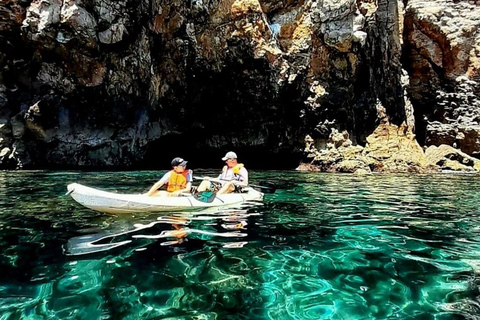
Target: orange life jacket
[(177, 181)]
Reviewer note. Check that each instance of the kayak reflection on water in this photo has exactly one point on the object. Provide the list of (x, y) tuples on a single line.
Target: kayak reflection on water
[(173, 229)]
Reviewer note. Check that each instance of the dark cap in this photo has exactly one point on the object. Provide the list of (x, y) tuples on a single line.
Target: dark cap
[(179, 162)]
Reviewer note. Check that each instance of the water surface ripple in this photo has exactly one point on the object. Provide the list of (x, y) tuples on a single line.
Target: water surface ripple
[(324, 246)]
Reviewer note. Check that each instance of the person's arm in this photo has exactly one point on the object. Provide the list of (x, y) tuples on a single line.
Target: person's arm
[(158, 184), (187, 189), (223, 175), (243, 177)]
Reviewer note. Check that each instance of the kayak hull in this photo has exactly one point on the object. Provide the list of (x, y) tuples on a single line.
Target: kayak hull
[(116, 203)]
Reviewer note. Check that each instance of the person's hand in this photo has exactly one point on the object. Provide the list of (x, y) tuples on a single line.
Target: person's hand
[(175, 193)]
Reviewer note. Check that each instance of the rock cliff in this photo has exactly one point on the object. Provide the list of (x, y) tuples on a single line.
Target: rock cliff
[(133, 83)]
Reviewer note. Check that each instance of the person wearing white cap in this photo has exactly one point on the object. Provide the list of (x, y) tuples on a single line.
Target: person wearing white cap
[(178, 180), (233, 174)]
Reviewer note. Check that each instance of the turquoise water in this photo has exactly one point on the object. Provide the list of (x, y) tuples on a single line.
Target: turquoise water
[(324, 246)]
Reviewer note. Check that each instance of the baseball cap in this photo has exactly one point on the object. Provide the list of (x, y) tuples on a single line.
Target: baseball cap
[(179, 162), (230, 155)]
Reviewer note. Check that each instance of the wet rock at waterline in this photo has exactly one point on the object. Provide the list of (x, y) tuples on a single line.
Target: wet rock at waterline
[(389, 149)]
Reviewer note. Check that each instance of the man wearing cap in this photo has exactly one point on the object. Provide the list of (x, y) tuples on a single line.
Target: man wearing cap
[(234, 174), (178, 180)]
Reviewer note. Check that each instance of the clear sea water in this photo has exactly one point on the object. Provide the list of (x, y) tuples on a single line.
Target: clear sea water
[(324, 246)]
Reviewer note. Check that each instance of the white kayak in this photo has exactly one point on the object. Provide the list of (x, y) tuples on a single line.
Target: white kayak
[(110, 202)]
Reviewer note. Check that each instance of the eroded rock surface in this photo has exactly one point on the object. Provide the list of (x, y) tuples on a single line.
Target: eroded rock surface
[(112, 83), (390, 148), (442, 54)]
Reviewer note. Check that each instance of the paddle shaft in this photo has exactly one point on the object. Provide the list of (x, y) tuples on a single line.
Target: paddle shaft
[(217, 180), (235, 182)]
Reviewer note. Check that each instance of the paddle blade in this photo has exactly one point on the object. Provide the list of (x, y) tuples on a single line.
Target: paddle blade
[(264, 190), (205, 196), (265, 187)]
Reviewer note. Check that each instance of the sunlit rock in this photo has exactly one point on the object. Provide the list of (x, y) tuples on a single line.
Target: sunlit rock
[(449, 158), (394, 149)]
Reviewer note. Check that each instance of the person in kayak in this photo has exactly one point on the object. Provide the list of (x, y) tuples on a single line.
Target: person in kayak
[(178, 180), (233, 173)]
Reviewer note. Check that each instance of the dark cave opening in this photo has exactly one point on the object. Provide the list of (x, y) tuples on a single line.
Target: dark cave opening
[(161, 152)]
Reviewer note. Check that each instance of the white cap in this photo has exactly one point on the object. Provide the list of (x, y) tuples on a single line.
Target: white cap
[(230, 155)]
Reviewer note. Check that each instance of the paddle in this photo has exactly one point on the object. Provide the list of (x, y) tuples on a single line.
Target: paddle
[(265, 187)]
